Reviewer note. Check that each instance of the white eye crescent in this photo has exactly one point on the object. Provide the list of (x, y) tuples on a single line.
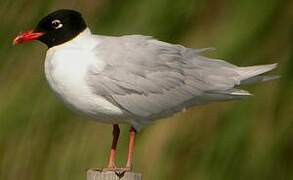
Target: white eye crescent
[(56, 24)]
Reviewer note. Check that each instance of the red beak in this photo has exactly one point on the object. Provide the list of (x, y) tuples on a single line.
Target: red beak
[(27, 36)]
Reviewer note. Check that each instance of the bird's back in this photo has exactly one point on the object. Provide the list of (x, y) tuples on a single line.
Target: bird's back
[(150, 79)]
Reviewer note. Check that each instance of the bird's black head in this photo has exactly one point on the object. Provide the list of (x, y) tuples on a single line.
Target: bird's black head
[(56, 28)]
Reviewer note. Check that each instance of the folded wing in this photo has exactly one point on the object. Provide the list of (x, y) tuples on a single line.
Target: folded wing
[(150, 79)]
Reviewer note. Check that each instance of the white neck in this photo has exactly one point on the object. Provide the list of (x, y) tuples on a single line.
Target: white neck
[(83, 40)]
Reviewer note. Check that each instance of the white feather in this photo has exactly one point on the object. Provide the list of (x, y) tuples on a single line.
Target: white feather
[(66, 67), (251, 71)]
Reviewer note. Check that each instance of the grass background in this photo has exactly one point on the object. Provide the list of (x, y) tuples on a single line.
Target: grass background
[(251, 139)]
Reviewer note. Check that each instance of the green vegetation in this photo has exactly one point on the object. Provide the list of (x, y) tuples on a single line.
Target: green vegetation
[(250, 139)]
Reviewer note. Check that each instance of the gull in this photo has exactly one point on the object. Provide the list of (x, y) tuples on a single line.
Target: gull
[(132, 79)]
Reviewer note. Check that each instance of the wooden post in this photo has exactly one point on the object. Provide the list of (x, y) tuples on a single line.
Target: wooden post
[(94, 174)]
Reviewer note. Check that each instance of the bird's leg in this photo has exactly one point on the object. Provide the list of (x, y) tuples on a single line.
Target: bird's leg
[(132, 134), (116, 132)]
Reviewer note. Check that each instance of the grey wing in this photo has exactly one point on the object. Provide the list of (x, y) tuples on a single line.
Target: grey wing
[(151, 79)]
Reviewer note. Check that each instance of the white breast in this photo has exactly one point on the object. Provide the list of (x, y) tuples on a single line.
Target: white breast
[(66, 69)]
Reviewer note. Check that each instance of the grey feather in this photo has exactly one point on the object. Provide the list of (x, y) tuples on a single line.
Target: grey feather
[(260, 78), (150, 79)]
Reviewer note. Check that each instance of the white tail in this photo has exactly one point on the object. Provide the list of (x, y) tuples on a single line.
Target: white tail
[(246, 75), (250, 75), (253, 71)]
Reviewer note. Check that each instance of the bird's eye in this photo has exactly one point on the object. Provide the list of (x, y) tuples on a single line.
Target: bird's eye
[(56, 24)]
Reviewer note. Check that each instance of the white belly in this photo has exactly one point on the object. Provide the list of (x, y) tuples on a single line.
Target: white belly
[(67, 78)]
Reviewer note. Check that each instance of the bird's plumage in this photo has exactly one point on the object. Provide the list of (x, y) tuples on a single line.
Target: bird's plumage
[(150, 79), (132, 79), (66, 68)]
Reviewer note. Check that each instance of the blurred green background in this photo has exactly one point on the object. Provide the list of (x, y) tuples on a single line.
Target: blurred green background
[(250, 139)]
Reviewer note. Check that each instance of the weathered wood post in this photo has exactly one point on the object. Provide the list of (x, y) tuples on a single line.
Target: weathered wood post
[(93, 174)]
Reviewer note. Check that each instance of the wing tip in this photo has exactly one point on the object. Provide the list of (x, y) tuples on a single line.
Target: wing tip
[(254, 71), (241, 93)]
